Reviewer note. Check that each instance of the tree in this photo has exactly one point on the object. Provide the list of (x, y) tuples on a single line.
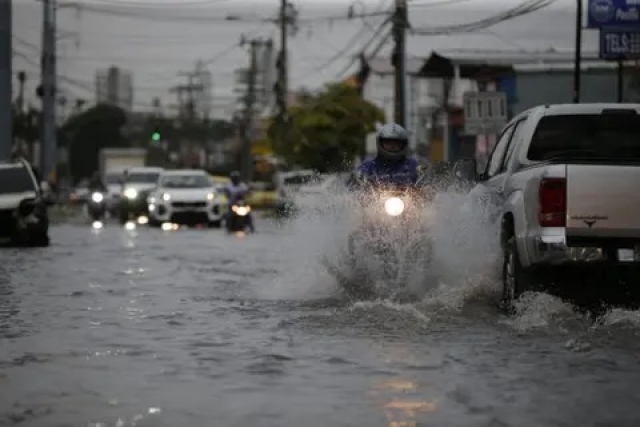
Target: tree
[(328, 129), (90, 131)]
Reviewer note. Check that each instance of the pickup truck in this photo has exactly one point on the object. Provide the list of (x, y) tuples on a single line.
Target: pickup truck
[(562, 187)]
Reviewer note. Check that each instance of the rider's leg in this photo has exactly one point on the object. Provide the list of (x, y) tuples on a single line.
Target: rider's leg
[(250, 222)]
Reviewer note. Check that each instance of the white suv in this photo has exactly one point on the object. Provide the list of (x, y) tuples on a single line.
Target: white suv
[(185, 196)]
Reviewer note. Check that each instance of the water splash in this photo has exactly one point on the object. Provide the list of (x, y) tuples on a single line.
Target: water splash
[(463, 269), (463, 251)]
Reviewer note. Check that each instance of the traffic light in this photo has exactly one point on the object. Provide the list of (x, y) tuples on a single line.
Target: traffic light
[(155, 136)]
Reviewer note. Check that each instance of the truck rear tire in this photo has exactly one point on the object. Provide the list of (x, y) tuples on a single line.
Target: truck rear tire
[(516, 279)]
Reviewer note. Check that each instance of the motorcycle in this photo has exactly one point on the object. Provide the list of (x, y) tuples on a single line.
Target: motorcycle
[(391, 241), (97, 206), (238, 217)]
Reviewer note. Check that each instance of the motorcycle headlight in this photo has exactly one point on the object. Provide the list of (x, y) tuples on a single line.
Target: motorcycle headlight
[(131, 193), (166, 197), (97, 197), (241, 210), (393, 206)]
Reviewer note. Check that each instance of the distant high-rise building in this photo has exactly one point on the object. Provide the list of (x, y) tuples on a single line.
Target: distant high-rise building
[(202, 96), (114, 86)]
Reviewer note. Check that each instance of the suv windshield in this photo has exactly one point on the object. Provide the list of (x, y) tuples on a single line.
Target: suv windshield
[(112, 178), (590, 136), (143, 177), (186, 181), (15, 180)]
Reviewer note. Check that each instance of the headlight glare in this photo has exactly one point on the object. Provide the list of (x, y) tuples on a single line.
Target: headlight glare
[(394, 206), (131, 193)]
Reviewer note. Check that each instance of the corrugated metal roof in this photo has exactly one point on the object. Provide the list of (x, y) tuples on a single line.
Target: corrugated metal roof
[(522, 61), (381, 65)]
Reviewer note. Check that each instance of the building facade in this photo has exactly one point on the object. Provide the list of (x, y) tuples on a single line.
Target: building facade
[(114, 86), (543, 78)]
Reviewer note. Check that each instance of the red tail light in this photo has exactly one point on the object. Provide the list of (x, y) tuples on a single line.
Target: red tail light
[(552, 202)]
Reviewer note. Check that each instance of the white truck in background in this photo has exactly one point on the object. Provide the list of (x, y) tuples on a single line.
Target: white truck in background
[(562, 189), (112, 163)]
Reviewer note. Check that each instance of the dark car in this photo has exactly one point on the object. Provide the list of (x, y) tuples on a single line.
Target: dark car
[(24, 219)]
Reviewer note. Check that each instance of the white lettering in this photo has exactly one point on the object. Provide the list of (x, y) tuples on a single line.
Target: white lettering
[(631, 14), (622, 43)]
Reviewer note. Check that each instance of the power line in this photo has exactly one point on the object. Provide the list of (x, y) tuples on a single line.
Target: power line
[(342, 52), (525, 8)]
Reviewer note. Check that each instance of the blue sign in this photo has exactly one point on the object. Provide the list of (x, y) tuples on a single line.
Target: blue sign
[(619, 44), (613, 13)]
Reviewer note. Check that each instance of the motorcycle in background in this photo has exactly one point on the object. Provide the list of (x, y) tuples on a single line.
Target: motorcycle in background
[(97, 206), (238, 217)]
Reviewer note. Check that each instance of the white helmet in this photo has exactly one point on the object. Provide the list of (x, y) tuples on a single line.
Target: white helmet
[(397, 136)]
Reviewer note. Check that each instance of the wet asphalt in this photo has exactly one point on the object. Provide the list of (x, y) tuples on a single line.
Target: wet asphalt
[(146, 327)]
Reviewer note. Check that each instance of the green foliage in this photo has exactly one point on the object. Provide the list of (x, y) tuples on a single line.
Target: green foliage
[(328, 129)]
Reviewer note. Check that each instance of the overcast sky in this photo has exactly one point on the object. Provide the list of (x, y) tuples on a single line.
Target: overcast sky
[(156, 40)]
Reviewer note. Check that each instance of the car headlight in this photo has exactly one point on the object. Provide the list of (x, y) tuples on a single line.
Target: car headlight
[(27, 207), (394, 206), (97, 197), (166, 197), (211, 196), (131, 193)]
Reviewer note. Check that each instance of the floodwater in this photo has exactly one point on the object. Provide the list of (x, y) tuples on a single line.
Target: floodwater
[(146, 327)]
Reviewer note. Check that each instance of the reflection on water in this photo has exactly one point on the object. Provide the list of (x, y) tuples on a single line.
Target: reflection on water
[(108, 328), (400, 401)]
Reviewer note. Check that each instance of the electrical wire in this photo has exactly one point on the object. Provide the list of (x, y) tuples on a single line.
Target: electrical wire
[(160, 15), (342, 52), (348, 45), (525, 8)]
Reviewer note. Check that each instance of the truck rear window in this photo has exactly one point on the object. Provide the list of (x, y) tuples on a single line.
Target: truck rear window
[(15, 180), (586, 136)]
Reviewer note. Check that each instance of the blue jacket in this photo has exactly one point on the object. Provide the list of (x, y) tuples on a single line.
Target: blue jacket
[(378, 172)]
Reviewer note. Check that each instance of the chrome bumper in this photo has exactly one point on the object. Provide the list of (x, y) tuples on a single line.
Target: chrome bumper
[(162, 211), (554, 250)]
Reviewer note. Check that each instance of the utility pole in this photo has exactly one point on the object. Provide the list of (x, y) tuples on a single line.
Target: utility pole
[(187, 109), (48, 140), (577, 62), (246, 159), (6, 80), (400, 24), (282, 84), (22, 78)]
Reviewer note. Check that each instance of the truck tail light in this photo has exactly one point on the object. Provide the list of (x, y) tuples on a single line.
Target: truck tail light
[(552, 202)]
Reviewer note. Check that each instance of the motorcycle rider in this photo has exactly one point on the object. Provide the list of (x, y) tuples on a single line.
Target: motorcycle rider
[(236, 190), (96, 185), (392, 165)]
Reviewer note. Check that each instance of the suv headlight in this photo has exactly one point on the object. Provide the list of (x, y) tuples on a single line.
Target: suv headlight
[(26, 207), (131, 193), (211, 196), (166, 197)]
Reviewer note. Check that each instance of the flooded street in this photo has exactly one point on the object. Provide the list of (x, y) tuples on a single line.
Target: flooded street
[(194, 328)]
